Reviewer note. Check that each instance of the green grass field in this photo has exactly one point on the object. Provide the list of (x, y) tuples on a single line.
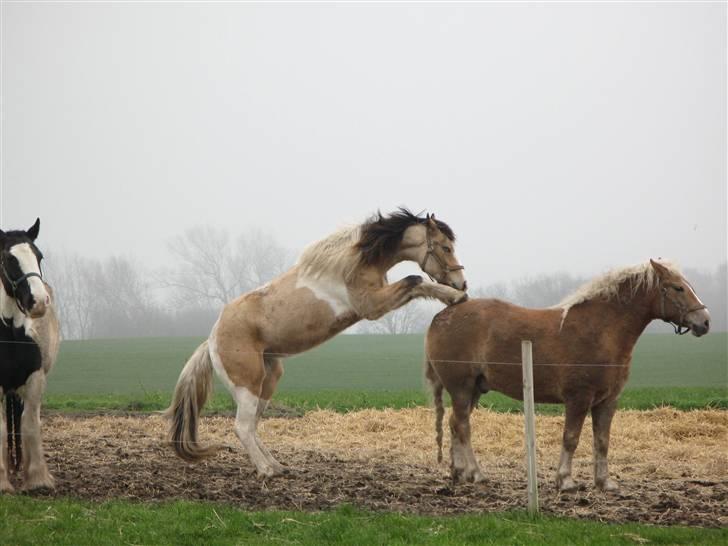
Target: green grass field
[(38, 521), (352, 372)]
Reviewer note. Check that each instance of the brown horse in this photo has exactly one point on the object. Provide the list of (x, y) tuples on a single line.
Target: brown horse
[(582, 353), (337, 282)]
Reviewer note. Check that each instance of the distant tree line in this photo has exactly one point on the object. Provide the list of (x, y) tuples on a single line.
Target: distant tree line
[(118, 297)]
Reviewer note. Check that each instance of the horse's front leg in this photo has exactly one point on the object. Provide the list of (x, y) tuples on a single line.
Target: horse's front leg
[(5, 485), (34, 464), (575, 411), (446, 294), (373, 304)]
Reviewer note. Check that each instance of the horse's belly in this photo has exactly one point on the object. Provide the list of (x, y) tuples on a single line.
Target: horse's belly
[(510, 382), (300, 333)]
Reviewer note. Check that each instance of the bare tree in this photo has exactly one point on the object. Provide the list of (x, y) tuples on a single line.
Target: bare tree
[(71, 277), (123, 303), (210, 270), (497, 290), (259, 258), (204, 274), (544, 290), (415, 317)]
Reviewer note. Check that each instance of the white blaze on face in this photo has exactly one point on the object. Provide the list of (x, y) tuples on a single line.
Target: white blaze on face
[(331, 291), (691, 291), (29, 264)]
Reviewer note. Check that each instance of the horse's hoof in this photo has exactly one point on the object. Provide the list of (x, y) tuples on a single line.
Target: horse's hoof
[(567, 485), (40, 485), (6, 487), (42, 481), (476, 477), (272, 470), (608, 485)]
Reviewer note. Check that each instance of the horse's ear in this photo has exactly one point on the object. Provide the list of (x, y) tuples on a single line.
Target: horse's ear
[(431, 224), (34, 229), (660, 269)]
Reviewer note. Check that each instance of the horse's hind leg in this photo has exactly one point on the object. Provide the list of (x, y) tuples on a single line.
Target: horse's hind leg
[(463, 463), (34, 463), (5, 485), (273, 373), (240, 367), (601, 423), (575, 413)]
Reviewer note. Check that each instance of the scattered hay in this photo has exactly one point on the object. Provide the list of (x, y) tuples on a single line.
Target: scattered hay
[(672, 465)]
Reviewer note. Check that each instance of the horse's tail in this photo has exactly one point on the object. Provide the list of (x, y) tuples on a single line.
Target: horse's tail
[(14, 412), (436, 386), (190, 394)]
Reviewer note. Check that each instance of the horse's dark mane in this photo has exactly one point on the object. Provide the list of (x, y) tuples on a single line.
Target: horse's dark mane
[(381, 235)]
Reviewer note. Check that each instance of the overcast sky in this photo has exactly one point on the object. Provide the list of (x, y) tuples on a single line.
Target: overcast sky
[(552, 137)]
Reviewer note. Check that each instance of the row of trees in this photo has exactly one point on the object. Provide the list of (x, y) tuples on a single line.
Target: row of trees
[(117, 297)]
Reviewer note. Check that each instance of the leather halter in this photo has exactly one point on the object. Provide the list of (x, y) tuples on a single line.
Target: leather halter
[(684, 311), (14, 283), (431, 252)]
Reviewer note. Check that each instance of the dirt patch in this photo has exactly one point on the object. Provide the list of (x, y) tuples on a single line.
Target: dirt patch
[(671, 465)]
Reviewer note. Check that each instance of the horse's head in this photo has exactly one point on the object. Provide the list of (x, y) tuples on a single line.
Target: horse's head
[(20, 270), (437, 254), (678, 303)]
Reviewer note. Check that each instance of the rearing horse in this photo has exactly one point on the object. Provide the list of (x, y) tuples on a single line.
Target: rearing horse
[(337, 282), (29, 342)]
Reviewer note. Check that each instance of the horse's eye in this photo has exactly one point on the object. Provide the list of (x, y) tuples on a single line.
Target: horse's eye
[(447, 249), (679, 288)]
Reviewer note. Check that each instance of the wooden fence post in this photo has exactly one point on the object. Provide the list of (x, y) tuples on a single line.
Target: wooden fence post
[(528, 411)]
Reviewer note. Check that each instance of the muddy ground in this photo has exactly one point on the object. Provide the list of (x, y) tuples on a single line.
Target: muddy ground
[(672, 467)]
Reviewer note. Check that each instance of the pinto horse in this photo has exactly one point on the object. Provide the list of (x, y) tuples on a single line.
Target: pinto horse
[(337, 282), (29, 342), (582, 350)]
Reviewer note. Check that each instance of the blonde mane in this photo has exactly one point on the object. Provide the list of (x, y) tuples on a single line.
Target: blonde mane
[(606, 287), (335, 256)]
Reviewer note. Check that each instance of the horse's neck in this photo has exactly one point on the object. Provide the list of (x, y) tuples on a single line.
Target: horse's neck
[(626, 316)]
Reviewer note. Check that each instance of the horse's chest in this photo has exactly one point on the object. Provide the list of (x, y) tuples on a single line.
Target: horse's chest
[(19, 357)]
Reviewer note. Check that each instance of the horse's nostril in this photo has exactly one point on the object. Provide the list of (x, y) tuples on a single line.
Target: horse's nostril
[(707, 323), (465, 285)]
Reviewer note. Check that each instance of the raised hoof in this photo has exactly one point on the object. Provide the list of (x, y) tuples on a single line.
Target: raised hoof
[(566, 485), (607, 485)]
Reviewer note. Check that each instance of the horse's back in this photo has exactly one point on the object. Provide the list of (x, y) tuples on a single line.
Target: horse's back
[(486, 325), (479, 342)]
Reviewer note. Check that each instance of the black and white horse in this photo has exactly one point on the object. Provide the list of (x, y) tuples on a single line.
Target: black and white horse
[(29, 341)]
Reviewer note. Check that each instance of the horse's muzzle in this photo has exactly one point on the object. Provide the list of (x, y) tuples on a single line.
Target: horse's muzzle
[(698, 322)]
